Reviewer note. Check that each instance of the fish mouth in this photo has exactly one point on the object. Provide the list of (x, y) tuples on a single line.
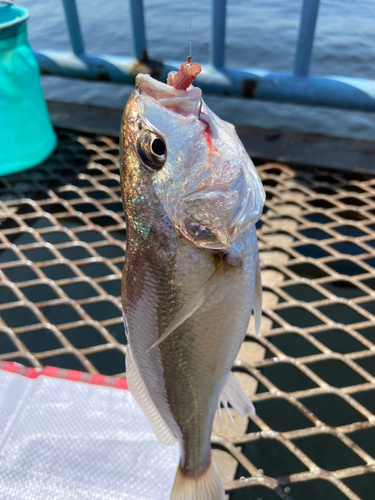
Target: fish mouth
[(183, 102)]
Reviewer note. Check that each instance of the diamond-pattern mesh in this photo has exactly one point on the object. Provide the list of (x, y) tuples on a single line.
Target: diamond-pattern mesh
[(61, 254)]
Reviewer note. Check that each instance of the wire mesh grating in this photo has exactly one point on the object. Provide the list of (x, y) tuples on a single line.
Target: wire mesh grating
[(62, 251), (61, 254)]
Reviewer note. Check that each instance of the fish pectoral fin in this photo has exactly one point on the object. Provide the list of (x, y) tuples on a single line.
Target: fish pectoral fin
[(257, 301), (209, 289), (138, 390), (233, 394)]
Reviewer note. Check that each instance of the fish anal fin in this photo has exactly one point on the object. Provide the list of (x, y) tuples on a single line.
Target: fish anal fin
[(207, 486), (233, 394), (136, 386)]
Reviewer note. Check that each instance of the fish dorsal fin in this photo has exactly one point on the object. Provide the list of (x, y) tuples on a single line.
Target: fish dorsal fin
[(257, 300), (209, 289), (233, 394), (136, 386)]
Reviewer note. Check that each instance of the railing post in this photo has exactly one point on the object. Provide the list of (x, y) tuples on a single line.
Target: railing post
[(139, 34), (218, 33), (306, 37), (72, 19)]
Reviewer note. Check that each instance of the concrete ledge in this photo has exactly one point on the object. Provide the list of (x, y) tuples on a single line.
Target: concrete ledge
[(297, 148)]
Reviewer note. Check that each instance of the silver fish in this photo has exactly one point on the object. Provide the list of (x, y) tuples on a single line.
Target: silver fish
[(191, 277)]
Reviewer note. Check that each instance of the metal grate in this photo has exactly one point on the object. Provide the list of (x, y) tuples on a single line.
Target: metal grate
[(61, 255), (314, 432)]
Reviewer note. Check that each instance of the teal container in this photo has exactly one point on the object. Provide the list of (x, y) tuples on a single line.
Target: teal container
[(26, 134)]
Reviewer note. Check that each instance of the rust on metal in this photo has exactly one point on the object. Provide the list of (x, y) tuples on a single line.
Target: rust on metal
[(62, 244), (147, 66), (249, 87)]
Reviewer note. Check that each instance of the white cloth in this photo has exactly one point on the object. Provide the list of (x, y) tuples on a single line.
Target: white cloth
[(62, 440)]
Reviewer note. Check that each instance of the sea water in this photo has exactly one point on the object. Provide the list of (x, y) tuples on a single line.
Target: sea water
[(260, 34)]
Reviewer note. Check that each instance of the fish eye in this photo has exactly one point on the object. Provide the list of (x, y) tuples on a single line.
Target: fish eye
[(152, 150), (158, 147)]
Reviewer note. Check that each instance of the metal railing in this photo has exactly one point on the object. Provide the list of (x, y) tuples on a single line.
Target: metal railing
[(298, 87)]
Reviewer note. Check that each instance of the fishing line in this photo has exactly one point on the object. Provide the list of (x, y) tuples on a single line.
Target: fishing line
[(190, 53)]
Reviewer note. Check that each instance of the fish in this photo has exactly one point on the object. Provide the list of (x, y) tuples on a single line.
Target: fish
[(191, 277)]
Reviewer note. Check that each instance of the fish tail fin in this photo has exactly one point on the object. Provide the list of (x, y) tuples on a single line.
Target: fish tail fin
[(207, 486), (233, 394)]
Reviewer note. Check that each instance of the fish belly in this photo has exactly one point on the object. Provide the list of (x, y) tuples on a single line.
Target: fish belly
[(185, 374)]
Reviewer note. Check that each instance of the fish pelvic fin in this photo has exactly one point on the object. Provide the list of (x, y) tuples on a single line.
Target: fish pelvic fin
[(138, 390), (257, 301), (211, 288), (207, 486), (233, 394)]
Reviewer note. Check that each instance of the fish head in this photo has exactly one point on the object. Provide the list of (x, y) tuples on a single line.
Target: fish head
[(195, 163)]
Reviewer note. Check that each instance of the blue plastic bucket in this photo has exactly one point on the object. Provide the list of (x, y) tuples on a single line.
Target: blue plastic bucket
[(26, 134)]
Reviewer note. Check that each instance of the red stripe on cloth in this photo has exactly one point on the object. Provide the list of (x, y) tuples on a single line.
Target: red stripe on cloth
[(33, 373), (50, 371), (98, 379), (10, 367), (121, 383), (73, 375), (63, 374)]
